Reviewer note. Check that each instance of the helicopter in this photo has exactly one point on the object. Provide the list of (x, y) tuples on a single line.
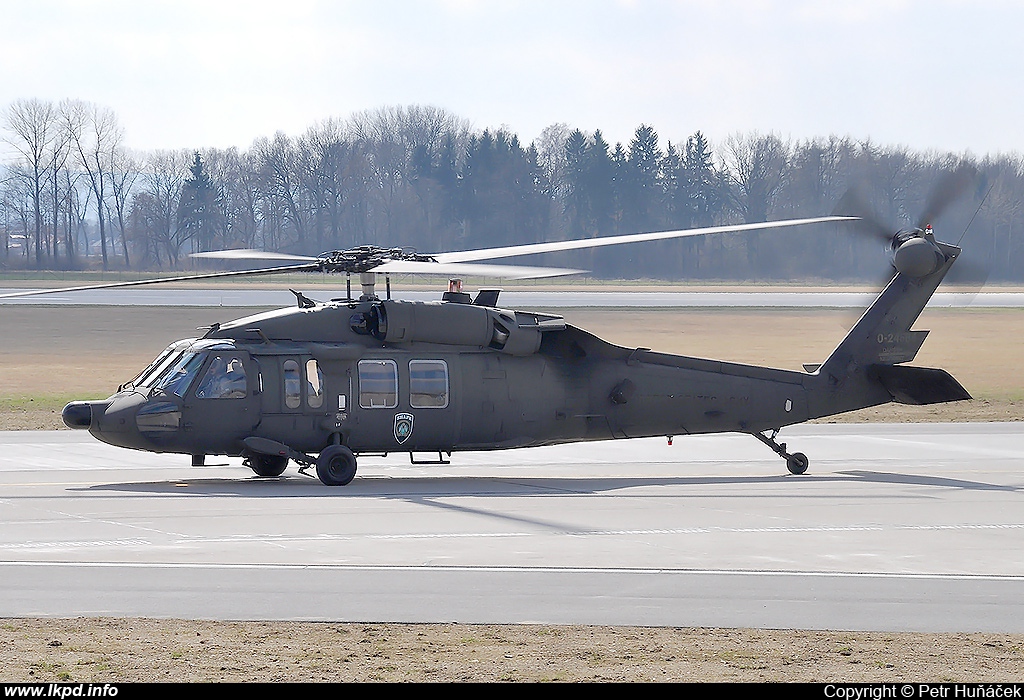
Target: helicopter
[(323, 383)]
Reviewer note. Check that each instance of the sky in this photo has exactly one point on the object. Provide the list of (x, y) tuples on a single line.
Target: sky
[(931, 75)]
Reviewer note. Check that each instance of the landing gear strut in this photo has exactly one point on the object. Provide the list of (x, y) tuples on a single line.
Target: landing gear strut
[(796, 463)]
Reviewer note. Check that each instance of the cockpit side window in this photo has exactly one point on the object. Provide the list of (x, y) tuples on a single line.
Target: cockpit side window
[(179, 375), (224, 379)]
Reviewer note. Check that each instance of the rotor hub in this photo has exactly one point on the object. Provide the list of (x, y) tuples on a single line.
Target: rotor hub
[(917, 256), (366, 257)]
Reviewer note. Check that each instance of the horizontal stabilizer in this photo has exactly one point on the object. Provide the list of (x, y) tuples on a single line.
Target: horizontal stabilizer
[(919, 386)]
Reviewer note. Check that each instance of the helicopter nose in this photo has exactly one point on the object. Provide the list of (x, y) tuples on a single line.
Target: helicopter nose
[(115, 415), (78, 415), (114, 421)]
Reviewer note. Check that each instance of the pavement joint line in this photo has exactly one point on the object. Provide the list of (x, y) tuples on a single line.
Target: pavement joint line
[(75, 544), (277, 539), (521, 569), (585, 532)]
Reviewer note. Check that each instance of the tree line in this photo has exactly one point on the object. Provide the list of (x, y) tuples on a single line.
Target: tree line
[(74, 196)]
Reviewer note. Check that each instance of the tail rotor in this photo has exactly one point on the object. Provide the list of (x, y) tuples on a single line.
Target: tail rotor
[(915, 251)]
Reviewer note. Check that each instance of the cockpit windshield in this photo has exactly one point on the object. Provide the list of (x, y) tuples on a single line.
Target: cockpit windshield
[(147, 376), (177, 377)]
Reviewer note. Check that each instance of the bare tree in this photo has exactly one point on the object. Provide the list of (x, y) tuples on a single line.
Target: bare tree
[(60, 152), (756, 166), (1003, 209), (386, 141), (124, 170), (17, 204), (153, 215), (32, 123), (238, 175), (551, 155), (96, 135), (280, 172), (322, 153), (5, 214)]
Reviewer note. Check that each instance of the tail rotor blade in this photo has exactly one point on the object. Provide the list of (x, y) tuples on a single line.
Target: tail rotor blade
[(949, 187), (970, 272), (853, 203)]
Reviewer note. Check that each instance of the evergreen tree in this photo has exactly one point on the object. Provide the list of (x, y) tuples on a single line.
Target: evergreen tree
[(642, 202), (674, 186), (577, 197), (505, 199), (703, 184), (601, 186), (199, 209), (643, 197), (704, 199)]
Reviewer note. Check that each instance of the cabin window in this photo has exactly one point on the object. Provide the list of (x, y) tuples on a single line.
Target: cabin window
[(378, 383), (292, 384), (224, 379), (314, 384), (428, 383)]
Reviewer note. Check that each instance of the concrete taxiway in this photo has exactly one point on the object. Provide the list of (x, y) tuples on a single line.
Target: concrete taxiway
[(914, 527)]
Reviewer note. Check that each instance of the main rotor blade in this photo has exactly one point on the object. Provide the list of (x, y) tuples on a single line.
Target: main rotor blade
[(249, 254), (515, 272), (578, 244), (163, 280)]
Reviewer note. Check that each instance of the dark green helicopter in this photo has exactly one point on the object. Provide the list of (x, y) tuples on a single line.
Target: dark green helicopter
[(320, 383)]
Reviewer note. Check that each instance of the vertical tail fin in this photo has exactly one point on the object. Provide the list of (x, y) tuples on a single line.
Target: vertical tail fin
[(860, 372)]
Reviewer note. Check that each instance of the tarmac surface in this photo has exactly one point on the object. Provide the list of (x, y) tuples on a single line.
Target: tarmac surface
[(896, 527)]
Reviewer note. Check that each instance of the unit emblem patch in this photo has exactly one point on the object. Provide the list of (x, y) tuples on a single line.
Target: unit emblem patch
[(403, 427)]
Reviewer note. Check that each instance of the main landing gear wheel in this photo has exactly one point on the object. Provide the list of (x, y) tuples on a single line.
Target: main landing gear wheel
[(336, 465), (797, 463), (267, 465)]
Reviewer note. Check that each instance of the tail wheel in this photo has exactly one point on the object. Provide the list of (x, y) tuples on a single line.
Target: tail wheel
[(267, 465), (336, 465), (797, 463)]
